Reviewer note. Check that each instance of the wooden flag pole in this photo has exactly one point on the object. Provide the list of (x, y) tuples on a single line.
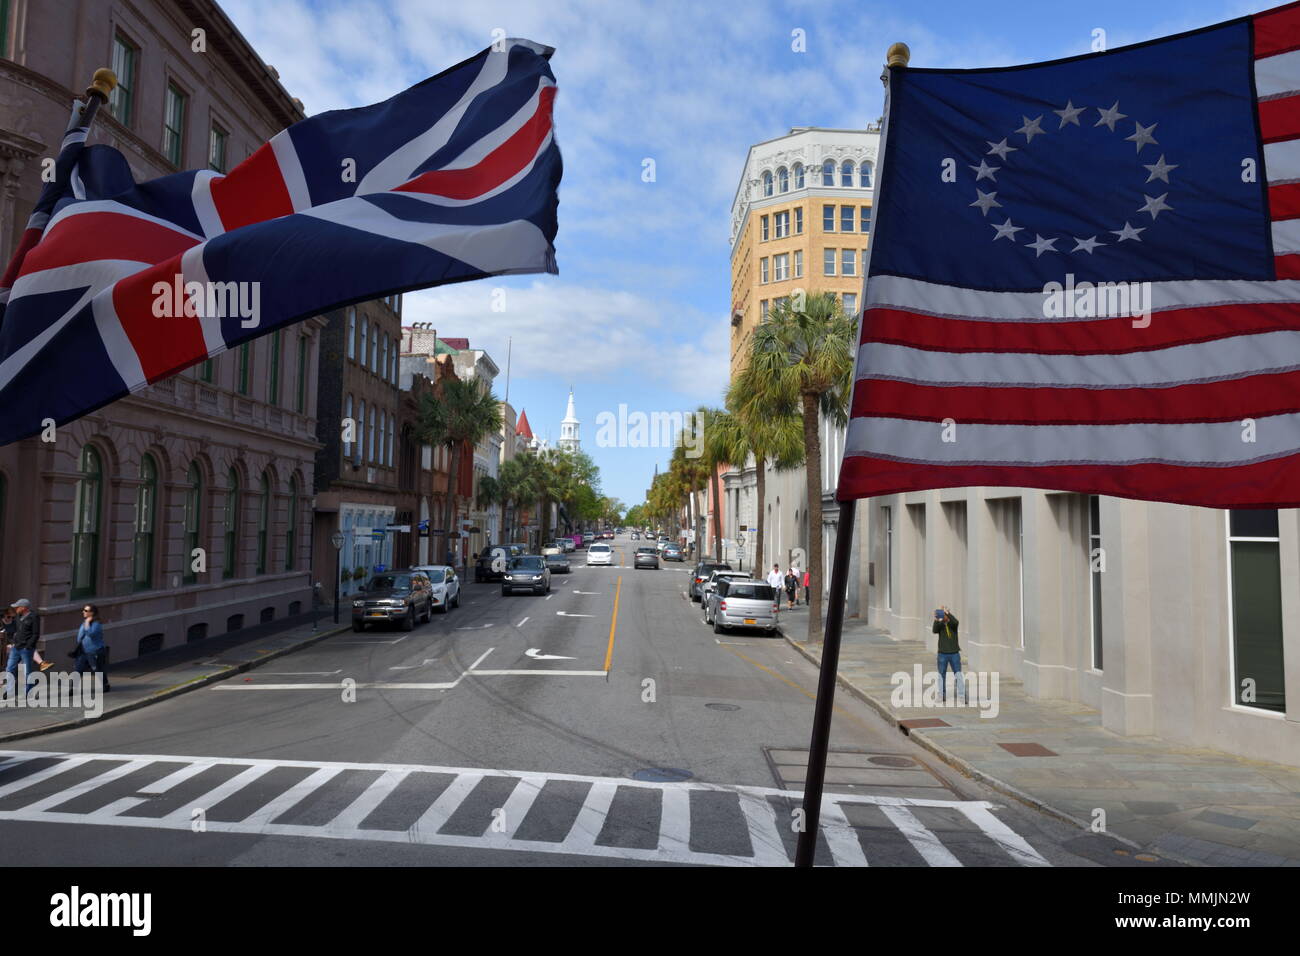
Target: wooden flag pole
[(806, 848), (101, 85)]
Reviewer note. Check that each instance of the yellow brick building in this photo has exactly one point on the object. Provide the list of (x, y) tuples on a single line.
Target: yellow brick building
[(801, 219)]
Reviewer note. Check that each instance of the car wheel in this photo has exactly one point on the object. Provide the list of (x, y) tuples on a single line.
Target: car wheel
[(504, 592), (358, 626), (717, 627), (456, 603), (408, 622)]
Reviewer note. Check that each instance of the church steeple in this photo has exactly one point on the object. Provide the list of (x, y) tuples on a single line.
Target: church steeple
[(569, 440)]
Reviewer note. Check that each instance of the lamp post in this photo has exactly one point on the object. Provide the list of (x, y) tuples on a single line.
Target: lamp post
[(336, 539)]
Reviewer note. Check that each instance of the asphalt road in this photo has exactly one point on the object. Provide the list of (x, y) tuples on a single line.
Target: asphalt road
[(602, 724)]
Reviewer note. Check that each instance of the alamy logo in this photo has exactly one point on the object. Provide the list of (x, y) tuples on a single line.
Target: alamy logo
[(103, 909), (214, 300), (1100, 300), (54, 690)]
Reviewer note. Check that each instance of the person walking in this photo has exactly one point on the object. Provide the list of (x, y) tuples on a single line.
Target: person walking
[(92, 652), (798, 579), (791, 584), (945, 625), (807, 586), (27, 632), (774, 579)]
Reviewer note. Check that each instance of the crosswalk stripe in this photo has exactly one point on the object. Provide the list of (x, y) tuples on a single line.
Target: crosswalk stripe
[(356, 812), (1016, 846), (923, 841), (107, 776), (293, 796), (435, 818), (755, 808)]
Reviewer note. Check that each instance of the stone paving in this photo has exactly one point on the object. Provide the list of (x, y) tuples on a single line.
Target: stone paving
[(1200, 806)]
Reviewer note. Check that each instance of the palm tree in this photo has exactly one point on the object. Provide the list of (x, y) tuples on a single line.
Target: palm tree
[(489, 494), (766, 425), (460, 415), (808, 353)]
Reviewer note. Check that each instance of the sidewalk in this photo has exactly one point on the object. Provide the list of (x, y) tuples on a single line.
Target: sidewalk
[(1196, 806), (140, 681)]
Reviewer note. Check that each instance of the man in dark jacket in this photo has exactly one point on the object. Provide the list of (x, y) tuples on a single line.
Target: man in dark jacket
[(26, 635), (945, 625)]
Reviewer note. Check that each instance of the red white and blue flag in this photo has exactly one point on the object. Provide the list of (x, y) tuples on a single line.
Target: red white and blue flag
[(454, 179), (1085, 276)]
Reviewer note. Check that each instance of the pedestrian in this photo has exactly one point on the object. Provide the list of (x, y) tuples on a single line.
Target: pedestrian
[(807, 586), (945, 625), (92, 652), (774, 579), (791, 583), (27, 632), (9, 624), (798, 579)]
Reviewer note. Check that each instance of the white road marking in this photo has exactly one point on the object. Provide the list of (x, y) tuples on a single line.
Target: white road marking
[(522, 623), (301, 673), (536, 654), (366, 685), (755, 805), (549, 596), (410, 667), (538, 671), (567, 614), (576, 591), (476, 627)]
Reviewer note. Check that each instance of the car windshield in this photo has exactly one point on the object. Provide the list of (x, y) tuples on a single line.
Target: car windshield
[(645, 550), (556, 557), (599, 547), (390, 582), (436, 575), (756, 591), (527, 563)]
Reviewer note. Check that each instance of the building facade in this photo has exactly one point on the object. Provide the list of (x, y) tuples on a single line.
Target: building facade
[(182, 511)]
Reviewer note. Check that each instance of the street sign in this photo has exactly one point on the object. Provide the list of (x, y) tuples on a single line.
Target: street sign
[(377, 534), (400, 527)]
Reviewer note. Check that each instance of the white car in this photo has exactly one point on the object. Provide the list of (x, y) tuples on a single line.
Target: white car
[(600, 554), (446, 586)]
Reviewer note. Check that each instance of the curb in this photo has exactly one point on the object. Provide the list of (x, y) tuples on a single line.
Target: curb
[(174, 691), (959, 764)]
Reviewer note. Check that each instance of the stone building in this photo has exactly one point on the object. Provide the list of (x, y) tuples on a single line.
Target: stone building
[(184, 510)]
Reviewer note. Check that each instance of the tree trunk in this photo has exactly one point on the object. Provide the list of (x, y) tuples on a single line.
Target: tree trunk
[(813, 450), (717, 516), (760, 566), (452, 490)]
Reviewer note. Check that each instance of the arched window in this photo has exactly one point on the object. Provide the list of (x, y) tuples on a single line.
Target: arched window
[(365, 341), (291, 527), (798, 175), (193, 519), (352, 332), (263, 524), (370, 448), (846, 174), (347, 413), (231, 523), (390, 441), (374, 348), (864, 175), (383, 366), (85, 524), (828, 173), (146, 498), (783, 180), (767, 184)]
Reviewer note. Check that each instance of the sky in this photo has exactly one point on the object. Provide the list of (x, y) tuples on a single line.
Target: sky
[(638, 315)]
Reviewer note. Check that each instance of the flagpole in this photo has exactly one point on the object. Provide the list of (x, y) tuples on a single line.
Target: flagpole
[(806, 848), (102, 83)]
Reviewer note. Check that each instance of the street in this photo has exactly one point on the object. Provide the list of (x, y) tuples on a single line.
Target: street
[(495, 735)]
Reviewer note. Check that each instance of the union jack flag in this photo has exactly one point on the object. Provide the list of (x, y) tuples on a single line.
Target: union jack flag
[(453, 179), (1164, 175)]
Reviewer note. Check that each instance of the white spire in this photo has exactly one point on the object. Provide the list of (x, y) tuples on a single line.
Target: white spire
[(569, 427)]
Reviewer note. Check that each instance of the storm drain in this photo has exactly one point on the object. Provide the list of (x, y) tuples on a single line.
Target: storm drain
[(663, 775), (727, 707)]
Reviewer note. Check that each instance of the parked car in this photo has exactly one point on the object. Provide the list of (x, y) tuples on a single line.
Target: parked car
[(588, 537), (565, 545), (737, 602), (711, 584), (673, 552), (557, 562), (394, 597), (645, 557), (600, 554), (527, 572), (636, 536), (493, 560), (701, 574), (444, 584)]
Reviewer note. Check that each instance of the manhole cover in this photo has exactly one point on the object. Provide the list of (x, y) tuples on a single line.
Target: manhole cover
[(662, 775), (723, 706), (893, 761)]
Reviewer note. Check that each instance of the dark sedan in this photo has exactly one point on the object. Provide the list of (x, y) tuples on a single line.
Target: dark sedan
[(558, 563), (528, 572), (397, 597), (645, 558)]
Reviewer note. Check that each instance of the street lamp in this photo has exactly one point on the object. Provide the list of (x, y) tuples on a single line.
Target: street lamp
[(336, 539)]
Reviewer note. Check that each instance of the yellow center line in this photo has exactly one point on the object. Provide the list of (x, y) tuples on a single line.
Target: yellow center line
[(613, 625), (781, 677)]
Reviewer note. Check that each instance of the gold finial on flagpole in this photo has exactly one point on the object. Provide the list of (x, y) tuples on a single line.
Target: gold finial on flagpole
[(102, 83), (898, 55)]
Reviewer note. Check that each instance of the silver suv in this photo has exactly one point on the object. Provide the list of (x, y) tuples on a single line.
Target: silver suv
[(742, 603)]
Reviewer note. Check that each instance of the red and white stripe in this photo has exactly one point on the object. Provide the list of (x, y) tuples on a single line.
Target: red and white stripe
[(963, 388)]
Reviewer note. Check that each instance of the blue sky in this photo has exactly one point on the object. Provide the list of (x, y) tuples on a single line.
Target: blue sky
[(638, 313)]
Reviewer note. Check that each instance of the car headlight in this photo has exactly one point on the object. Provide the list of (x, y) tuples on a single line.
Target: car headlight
[(509, 577), (358, 603)]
